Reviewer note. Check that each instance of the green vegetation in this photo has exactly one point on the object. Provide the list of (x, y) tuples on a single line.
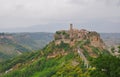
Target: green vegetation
[(69, 65), (6, 65), (33, 41), (51, 47), (38, 65), (61, 60), (9, 49), (4, 56), (96, 50), (113, 49), (119, 48), (13, 44), (64, 46), (60, 34), (106, 66), (82, 43)]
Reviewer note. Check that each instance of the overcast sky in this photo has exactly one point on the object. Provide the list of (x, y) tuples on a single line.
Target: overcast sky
[(52, 15)]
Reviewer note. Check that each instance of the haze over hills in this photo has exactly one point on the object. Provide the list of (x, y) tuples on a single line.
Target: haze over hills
[(111, 39), (13, 44)]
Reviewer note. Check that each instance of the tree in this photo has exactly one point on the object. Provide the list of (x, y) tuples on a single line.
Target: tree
[(106, 66), (119, 48), (113, 49)]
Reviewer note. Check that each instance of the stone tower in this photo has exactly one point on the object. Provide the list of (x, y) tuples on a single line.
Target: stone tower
[(71, 27), (71, 31)]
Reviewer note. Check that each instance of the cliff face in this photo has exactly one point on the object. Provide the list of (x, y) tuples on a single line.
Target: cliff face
[(74, 35)]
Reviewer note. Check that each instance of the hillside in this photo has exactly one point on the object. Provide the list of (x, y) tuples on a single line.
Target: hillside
[(33, 41), (111, 39), (69, 56), (13, 44)]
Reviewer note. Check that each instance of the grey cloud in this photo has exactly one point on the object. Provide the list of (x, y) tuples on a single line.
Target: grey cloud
[(82, 2), (26, 13), (110, 2)]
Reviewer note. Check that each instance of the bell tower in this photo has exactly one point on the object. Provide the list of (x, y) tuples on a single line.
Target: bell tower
[(71, 27), (71, 31)]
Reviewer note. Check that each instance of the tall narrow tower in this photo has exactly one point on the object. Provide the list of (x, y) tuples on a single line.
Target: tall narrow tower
[(71, 27), (71, 31)]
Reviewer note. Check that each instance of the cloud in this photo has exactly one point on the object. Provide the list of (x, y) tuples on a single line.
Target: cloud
[(110, 2), (26, 13)]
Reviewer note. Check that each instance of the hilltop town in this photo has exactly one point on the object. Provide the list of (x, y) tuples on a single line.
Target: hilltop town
[(74, 35)]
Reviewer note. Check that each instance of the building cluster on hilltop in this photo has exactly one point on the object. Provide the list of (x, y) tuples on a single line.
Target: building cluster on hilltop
[(72, 35)]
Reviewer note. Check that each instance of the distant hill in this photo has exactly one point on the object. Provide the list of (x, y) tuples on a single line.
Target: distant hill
[(111, 39), (13, 44), (33, 41)]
